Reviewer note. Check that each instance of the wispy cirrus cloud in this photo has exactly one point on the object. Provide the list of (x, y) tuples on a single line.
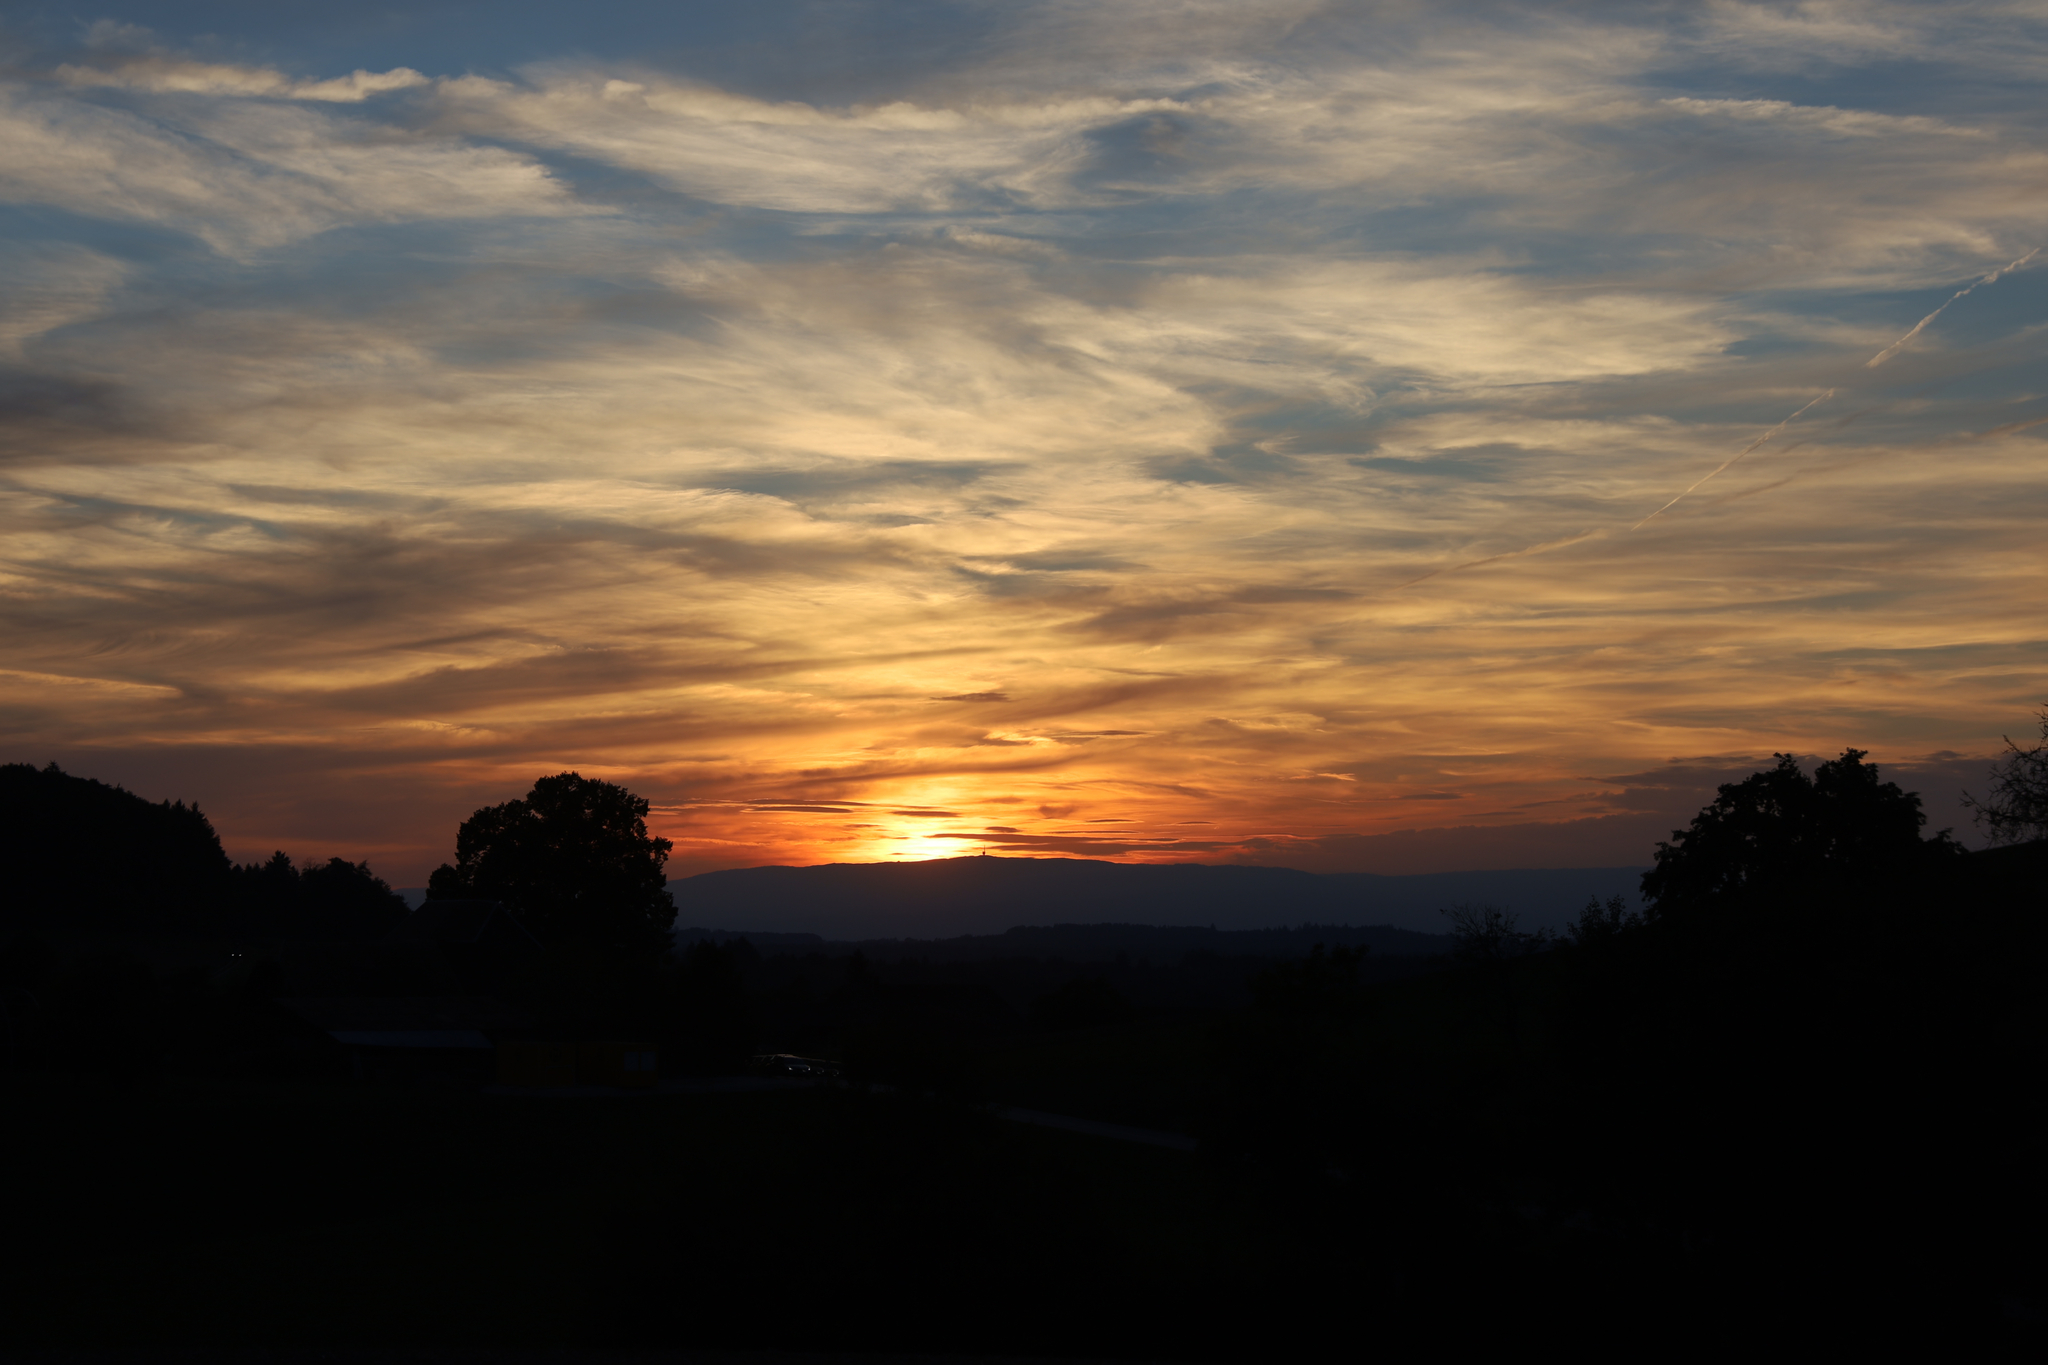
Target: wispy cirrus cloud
[(1221, 433), (171, 75)]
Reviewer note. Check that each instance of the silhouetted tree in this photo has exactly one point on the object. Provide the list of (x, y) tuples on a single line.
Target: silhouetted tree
[(1779, 828), (1599, 923), (335, 899), (2017, 808), (1488, 933), (1815, 971), (348, 894), (574, 861)]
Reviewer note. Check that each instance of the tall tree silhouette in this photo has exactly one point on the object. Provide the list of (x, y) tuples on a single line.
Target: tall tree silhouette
[(2017, 808), (1780, 827), (573, 860)]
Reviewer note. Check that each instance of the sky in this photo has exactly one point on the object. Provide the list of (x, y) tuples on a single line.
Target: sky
[(1355, 437)]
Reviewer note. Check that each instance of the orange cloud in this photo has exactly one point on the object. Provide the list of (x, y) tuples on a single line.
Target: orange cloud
[(1234, 452)]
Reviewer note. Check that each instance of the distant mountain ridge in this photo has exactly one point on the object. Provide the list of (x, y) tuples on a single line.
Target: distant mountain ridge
[(951, 897), (1094, 943)]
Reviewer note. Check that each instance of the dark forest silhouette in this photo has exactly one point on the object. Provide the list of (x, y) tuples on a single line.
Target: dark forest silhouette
[(1785, 1088), (82, 851), (83, 856)]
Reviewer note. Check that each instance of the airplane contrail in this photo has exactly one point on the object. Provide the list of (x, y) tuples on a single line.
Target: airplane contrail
[(1731, 460), (1511, 554), (1886, 354)]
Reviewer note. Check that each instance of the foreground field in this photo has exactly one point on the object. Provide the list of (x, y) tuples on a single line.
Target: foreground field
[(261, 1216)]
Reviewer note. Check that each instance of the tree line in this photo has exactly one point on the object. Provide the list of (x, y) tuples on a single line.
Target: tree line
[(574, 862)]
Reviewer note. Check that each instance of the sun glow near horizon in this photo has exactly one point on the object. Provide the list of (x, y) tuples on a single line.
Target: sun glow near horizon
[(1350, 440)]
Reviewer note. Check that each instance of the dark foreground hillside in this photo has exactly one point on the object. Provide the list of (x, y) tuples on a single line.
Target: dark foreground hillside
[(254, 1217), (1810, 1112), (1802, 1098), (310, 1216)]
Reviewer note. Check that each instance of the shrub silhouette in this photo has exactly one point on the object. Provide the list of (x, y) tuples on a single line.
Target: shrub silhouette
[(1489, 933), (1600, 923)]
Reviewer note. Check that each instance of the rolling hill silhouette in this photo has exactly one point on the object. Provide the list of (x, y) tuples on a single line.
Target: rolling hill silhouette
[(948, 897)]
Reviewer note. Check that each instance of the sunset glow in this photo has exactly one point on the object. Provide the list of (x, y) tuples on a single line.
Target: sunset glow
[(1343, 437)]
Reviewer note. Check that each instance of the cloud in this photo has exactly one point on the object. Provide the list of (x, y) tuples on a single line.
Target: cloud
[(169, 75), (59, 283), (392, 433), (1826, 118), (793, 156), (1847, 34), (243, 179)]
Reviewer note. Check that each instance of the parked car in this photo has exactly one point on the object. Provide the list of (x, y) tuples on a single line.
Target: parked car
[(791, 1065)]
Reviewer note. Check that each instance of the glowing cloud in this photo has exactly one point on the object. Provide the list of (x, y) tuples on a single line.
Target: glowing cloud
[(1125, 430)]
